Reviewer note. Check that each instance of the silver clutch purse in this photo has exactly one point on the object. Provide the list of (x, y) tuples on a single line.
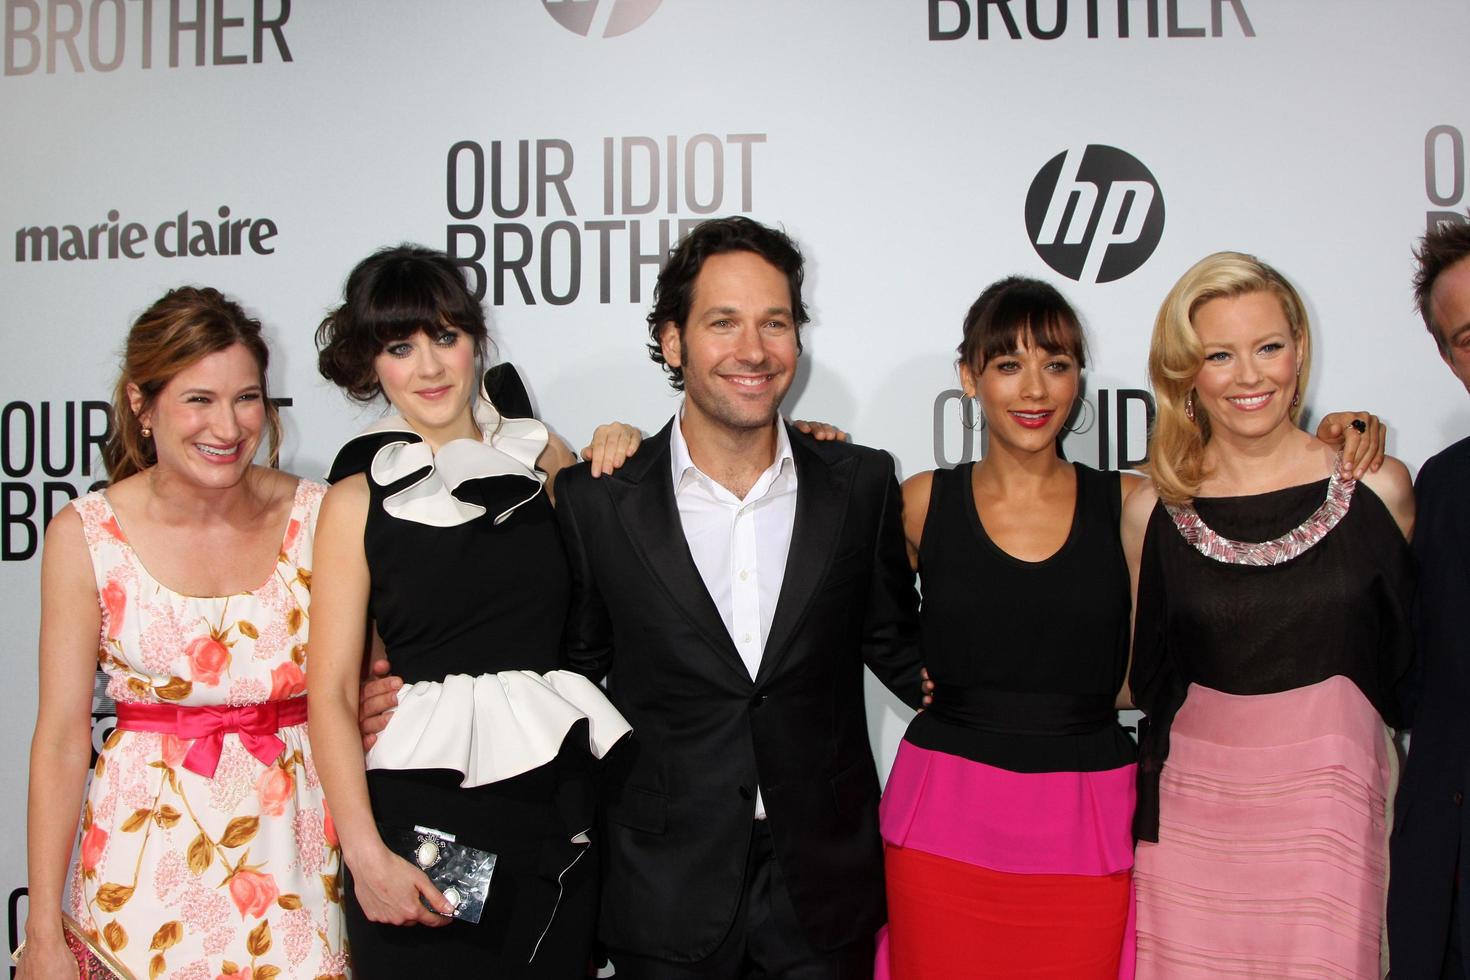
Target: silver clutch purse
[(461, 873)]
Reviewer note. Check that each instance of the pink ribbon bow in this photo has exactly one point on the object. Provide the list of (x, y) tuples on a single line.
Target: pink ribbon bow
[(207, 725)]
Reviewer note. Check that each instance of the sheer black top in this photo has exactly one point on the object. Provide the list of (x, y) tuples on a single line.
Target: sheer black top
[(1338, 608)]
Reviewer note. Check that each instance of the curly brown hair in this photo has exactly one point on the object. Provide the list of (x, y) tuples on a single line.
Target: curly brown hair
[(674, 291)]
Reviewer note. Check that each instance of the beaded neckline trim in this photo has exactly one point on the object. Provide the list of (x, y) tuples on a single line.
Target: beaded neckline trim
[(1278, 550)]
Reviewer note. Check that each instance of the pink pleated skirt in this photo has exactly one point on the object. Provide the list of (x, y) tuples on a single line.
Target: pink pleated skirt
[(1272, 858)]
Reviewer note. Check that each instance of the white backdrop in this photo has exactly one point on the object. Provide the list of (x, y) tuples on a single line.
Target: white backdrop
[(897, 140)]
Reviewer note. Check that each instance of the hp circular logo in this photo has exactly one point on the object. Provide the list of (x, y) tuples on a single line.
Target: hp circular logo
[(600, 18), (1094, 214)]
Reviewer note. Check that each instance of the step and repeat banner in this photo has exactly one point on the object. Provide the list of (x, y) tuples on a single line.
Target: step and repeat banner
[(917, 149)]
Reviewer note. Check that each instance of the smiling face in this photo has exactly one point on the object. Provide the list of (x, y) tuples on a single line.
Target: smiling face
[(207, 421), (738, 349), (1249, 376), (1449, 306), (431, 381), (1026, 395)]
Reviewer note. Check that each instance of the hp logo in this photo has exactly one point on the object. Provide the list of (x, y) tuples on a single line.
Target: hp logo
[(600, 18), (1095, 214)]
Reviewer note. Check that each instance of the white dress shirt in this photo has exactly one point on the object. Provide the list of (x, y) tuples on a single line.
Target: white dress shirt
[(739, 545)]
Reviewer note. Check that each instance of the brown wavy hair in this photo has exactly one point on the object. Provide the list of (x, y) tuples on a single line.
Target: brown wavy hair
[(1176, 447), (175, 333)]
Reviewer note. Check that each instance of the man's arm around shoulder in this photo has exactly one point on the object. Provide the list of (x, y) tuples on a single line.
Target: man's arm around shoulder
[(587, 637), (891, 619)]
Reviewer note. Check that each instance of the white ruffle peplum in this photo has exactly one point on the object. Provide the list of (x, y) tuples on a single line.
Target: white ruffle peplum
[(494, 726)]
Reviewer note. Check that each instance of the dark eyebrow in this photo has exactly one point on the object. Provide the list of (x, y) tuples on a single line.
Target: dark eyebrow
[(732, 311), (211, 392)]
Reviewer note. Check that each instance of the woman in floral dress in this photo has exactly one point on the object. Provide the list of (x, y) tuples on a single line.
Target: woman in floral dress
[(206, 849)]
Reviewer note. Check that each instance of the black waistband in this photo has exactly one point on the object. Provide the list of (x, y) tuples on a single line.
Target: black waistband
[(1022, 713)]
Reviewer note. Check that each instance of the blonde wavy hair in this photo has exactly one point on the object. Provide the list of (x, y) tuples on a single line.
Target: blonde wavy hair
[(1176, 446)]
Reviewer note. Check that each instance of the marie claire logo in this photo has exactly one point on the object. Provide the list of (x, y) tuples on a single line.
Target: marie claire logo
[(172, 238), (601, 18), (105, 35), (1094, 214)]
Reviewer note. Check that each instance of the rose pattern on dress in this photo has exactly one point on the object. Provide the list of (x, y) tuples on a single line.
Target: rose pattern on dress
[(182, 876), (287, 681), (274, 790), (208, 658)]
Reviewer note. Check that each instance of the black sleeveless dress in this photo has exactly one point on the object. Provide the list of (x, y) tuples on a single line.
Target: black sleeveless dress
[(491, 742), (1008, 809)]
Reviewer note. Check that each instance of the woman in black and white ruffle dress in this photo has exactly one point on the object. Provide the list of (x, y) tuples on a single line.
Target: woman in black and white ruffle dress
[(439, 532)]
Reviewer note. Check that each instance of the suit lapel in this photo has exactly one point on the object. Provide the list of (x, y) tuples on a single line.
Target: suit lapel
[(643, 493), (822, 494)]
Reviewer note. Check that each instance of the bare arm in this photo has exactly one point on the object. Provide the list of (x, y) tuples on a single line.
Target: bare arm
[(916, 491), (61, 749), (1394, 487), (387, 887), (1138, 503)]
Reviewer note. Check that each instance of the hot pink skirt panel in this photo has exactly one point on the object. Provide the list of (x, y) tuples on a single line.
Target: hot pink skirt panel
[(1272, 859), (1030, 838), (1076, 823)]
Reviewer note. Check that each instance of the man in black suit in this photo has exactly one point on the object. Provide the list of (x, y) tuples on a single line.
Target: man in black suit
[(1428, 917), (730, 582)]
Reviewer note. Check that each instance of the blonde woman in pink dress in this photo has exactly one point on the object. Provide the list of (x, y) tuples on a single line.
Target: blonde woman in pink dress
[(1270, 630), (206, 849)]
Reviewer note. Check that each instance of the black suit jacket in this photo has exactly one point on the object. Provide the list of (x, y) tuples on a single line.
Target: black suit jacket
[(1431, 834), (705, 734)]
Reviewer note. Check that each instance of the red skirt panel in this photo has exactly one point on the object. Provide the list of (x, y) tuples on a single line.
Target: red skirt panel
[(949, 920)]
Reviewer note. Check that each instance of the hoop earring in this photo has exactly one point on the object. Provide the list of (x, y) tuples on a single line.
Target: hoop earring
[(1084, 408), (1189, 405), (970, 415)]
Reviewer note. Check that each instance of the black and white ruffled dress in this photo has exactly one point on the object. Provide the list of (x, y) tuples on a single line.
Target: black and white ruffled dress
[(492, 742)]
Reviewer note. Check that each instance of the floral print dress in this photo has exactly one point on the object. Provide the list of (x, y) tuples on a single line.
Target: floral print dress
[(183, 876)]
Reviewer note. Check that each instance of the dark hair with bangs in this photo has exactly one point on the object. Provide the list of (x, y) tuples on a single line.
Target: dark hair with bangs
[(1444, 245), (673, 294), (1013, 309), (394, 293)]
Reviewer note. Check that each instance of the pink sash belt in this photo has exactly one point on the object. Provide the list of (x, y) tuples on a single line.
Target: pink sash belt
[(255, 725)]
